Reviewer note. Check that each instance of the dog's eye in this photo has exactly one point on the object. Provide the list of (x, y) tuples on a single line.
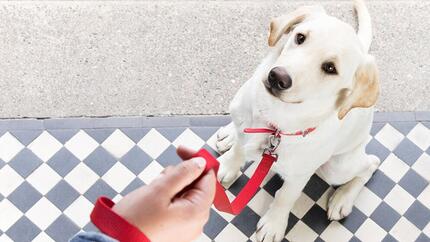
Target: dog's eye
[(329, 68), (300, 38)]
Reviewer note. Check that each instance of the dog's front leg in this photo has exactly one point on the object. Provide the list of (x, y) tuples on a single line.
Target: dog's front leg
[(230, 163), (272, 226)]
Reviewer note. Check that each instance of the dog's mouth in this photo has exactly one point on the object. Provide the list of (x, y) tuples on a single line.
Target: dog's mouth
[(274, 92), (277, 93)]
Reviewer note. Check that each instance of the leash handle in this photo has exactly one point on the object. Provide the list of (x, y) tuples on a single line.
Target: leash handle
[(221, 201)]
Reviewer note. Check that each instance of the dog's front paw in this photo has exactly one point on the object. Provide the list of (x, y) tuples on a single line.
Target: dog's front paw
[(225, 138), (227, 174), (271, 227), (340, 204)]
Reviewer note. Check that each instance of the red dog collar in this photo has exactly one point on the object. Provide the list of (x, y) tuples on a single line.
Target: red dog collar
[(278, 132)]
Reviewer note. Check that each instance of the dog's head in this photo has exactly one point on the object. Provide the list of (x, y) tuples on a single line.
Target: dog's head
[(320, 60)]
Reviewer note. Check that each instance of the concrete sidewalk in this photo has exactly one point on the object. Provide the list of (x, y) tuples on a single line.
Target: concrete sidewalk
[(176, 57)]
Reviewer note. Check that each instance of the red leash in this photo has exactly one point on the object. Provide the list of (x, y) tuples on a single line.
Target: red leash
[(118, 228), (221, 201)]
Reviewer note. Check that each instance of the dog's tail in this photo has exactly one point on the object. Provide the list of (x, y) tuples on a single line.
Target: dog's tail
[(364, 24)]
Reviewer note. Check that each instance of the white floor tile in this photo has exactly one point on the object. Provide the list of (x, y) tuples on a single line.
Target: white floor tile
[(153, 143), (367, 201), (5, 238), (9, 180), (394, 168), (336, 232), (189, 139), (389, 137), (44, 178), (253, 237), (203, 238), (81, 145), (426, 230), (230, 234), (301, 232), (117, 198), (81, 178), (118, 177), (422, 166), (43, 237), (405, 231), (369, 231), (9, 214), (79, 211), (118, 144), (424, 197), (399, 199), (260, 202), (302, 205), (9, 147), (323, 200), (45, 146), (420, 135), (43, 213)]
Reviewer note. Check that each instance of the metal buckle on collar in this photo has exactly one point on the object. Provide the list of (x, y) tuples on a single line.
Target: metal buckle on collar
[(305, 133)]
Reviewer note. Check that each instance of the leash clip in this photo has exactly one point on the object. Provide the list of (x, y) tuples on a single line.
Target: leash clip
[(274, 141)]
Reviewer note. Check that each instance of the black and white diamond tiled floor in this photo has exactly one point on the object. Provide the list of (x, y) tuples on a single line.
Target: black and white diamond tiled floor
[(51, 171)]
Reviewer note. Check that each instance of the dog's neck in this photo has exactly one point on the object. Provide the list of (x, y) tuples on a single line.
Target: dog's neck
[(292, 117)]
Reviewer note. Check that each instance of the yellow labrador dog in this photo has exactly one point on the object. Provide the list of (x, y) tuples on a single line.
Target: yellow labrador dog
[(317, 74)]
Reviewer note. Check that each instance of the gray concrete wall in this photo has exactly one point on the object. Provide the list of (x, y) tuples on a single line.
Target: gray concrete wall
[(102, 58)]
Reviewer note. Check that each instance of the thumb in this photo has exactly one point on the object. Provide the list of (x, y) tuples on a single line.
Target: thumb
[(185, 153), (182, 175)]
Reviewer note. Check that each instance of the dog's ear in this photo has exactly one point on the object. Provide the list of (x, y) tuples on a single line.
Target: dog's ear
[(365, 89), (285, 23)]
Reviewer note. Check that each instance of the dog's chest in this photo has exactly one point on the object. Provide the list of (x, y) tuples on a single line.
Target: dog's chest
[(297, 159), (297, 155)]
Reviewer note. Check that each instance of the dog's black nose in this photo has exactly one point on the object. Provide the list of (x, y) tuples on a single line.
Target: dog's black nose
[(279, 79)]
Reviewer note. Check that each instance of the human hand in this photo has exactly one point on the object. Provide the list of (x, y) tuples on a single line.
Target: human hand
[(164, 210)]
